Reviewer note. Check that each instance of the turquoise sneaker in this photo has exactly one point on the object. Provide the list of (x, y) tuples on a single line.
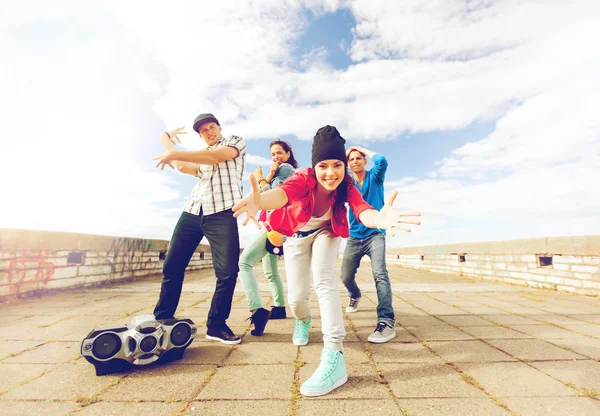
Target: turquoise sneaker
[(330, 374), (300, 336)]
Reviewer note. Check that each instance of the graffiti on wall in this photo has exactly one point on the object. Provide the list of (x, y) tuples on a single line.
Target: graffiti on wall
[(129, 254), (30, 268)]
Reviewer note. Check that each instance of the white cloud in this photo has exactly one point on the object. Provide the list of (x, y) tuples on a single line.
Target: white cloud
[(257, 160), (90, 85)]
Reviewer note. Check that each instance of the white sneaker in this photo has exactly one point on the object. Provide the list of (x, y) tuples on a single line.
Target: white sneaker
[(383, 333), (352, 305)]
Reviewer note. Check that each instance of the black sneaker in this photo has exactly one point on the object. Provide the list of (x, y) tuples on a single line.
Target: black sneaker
[(223, 334), (259, 318), (278, 312)]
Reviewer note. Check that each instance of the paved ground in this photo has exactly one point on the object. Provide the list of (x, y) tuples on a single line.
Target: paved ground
[(464, 347)]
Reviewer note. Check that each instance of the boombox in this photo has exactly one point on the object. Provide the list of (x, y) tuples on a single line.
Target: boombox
[(145, 340)]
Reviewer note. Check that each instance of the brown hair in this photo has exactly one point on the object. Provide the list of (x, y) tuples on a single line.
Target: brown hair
[(287, 148)]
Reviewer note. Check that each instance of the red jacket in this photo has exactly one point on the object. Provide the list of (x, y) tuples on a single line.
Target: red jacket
[(300, 190)]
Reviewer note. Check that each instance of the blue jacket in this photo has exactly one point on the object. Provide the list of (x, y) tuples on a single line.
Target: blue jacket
[(372, 193), (284, 171)]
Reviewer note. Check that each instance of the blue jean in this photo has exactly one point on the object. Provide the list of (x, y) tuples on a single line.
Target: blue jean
[(374, 247), (221, 231)]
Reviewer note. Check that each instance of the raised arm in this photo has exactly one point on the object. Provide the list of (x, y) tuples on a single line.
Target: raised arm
[(167, 139), (255, 200), (366, 152), (388, 218)]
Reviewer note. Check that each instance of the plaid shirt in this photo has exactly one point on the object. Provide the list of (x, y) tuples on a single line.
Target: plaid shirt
[(219, 186)]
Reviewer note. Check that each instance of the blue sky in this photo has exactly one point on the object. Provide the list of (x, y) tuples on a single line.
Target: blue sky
[(491, 134)]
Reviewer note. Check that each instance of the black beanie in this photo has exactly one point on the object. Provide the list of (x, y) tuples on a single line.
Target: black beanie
[(328, 144)]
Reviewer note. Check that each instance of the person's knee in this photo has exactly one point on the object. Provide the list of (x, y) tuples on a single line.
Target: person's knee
[(381, 276), (244, 265)]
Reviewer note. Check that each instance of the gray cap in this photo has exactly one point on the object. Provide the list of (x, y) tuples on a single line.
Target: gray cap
[(204, 118)]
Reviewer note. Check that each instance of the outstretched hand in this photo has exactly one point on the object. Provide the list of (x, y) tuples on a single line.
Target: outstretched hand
[(388, 218), (173, 134), (249, 204), (165, 159)]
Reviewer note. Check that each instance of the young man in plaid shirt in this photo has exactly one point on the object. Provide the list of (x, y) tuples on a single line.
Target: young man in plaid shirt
[(220, 170)]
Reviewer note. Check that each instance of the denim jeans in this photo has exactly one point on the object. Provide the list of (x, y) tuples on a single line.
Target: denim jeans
[(221, 232), (251, 255), (374, 247)]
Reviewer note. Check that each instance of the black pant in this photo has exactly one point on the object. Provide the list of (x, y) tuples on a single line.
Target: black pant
[(222, 233)]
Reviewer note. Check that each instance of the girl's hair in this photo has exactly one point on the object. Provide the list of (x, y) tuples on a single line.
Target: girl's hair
[(341, 195), (286, 148)]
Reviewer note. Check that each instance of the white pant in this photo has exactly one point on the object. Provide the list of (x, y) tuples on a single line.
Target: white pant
[(316, 253)]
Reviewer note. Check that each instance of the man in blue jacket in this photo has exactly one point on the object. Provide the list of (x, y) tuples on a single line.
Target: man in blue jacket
[(370, 242)]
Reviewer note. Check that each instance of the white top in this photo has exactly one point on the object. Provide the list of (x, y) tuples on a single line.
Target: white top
[(317, 222)]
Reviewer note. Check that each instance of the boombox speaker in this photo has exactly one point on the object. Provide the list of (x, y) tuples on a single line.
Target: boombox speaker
[(145, 340)]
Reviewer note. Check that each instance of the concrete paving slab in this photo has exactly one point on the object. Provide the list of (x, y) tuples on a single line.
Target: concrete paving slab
[(120, 408), (439, 333), (592, 330), (545, 331), (48, 353), (407, 310), (361, 320), (8, 348), (90, 322), (583, 374), (427, 380), (420, 321), (36, 408), (533, 349), (560, 320), (12, 375), (468, 351), (555, 406), (464, 320), (239, 407), (56, 332), (159, 383), (585, 347), (250, 382), (509, 319), (249, 374), (37, 320), (451, 407), (264, 353), (207, 353), (493, 332), (363, 383), (65, 382), (17, 333), (403, 353), (515, 380), (311, 407), (592, 318), (480, 310)]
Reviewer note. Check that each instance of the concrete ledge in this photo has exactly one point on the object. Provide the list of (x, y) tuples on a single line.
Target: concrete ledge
[(579, 245), (561, 263), (38, 261)]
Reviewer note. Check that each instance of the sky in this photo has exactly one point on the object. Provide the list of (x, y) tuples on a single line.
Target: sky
[(487, 111)]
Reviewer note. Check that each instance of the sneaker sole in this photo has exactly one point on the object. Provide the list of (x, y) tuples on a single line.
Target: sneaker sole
[(300, 343), (211, 338), (351, 310), (381, 340), (322, 392)]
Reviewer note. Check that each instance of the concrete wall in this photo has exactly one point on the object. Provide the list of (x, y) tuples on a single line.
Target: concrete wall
[(575, 261), (45, 260)]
